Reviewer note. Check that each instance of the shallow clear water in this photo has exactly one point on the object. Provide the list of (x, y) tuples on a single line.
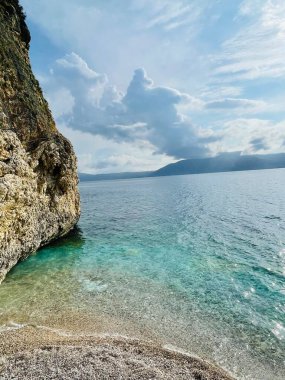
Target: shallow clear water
[(196, 262)]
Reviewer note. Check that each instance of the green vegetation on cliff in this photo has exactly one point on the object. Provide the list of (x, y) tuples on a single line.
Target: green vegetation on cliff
[(22, 106)]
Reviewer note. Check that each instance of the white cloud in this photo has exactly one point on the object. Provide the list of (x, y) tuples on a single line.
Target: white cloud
[(167, 14), (96, 154), (118, 39), (75, 63), (145, 112), (258, 48), (202, 52), (219, 91), (251, 136), (249, 7), (246, 105), (153, 119)]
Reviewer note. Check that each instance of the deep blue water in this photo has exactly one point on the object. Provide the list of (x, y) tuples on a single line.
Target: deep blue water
[(196, 262)]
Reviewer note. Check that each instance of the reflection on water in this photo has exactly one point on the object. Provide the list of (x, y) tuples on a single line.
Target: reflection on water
[(192, 261)]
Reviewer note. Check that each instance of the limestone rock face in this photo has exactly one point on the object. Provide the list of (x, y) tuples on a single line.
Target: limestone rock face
[(39, 199)]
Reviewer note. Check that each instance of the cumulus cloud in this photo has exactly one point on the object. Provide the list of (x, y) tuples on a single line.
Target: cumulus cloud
[(76, 64), (145, 112), (168, 130), (96, 154), (153, 119), (178, 43)]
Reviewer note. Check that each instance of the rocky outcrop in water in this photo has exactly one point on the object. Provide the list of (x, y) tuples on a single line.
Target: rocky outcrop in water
[(39, 199)]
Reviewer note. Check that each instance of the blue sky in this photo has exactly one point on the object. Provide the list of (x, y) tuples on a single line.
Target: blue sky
[(137, 84)]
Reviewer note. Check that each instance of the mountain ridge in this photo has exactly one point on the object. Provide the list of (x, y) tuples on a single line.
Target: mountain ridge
[(226, 162)]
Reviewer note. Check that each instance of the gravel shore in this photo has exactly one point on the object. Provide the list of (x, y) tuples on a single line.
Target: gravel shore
[(31, 353)]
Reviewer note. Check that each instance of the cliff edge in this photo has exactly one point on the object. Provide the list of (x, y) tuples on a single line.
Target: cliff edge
[(39, 199)]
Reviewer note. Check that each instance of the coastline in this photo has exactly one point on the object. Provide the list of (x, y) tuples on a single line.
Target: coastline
[(41, 352)]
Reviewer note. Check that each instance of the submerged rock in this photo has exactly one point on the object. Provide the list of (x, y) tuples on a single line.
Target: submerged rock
[(39, 199)]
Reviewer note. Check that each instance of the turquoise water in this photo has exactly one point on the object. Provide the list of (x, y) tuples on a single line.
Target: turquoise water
[(195, 262)]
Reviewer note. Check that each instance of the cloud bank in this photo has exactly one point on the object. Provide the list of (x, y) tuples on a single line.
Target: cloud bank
[(153, 119), (84, 100), (226, 58)]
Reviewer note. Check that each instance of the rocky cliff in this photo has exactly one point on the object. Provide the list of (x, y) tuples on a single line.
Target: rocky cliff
[(39, 200)]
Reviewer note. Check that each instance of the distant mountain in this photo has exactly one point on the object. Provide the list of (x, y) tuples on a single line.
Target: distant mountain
[(111, 176), (223, 163), (226, 162)]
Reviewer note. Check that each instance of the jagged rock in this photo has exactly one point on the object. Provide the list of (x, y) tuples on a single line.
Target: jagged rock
[(39, 199)]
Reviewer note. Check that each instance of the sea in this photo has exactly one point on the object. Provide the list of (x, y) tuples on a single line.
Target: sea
[(195, 263)]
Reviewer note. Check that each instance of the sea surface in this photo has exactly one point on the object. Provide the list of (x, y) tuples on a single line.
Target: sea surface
[(195, 262)]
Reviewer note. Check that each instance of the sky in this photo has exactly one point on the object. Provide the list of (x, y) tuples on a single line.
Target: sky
[(138, 84)]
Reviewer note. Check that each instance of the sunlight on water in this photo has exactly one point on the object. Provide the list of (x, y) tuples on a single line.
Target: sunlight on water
[(196, 262)]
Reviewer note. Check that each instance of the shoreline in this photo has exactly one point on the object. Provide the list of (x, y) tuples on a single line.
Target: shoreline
[(42, 352)]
